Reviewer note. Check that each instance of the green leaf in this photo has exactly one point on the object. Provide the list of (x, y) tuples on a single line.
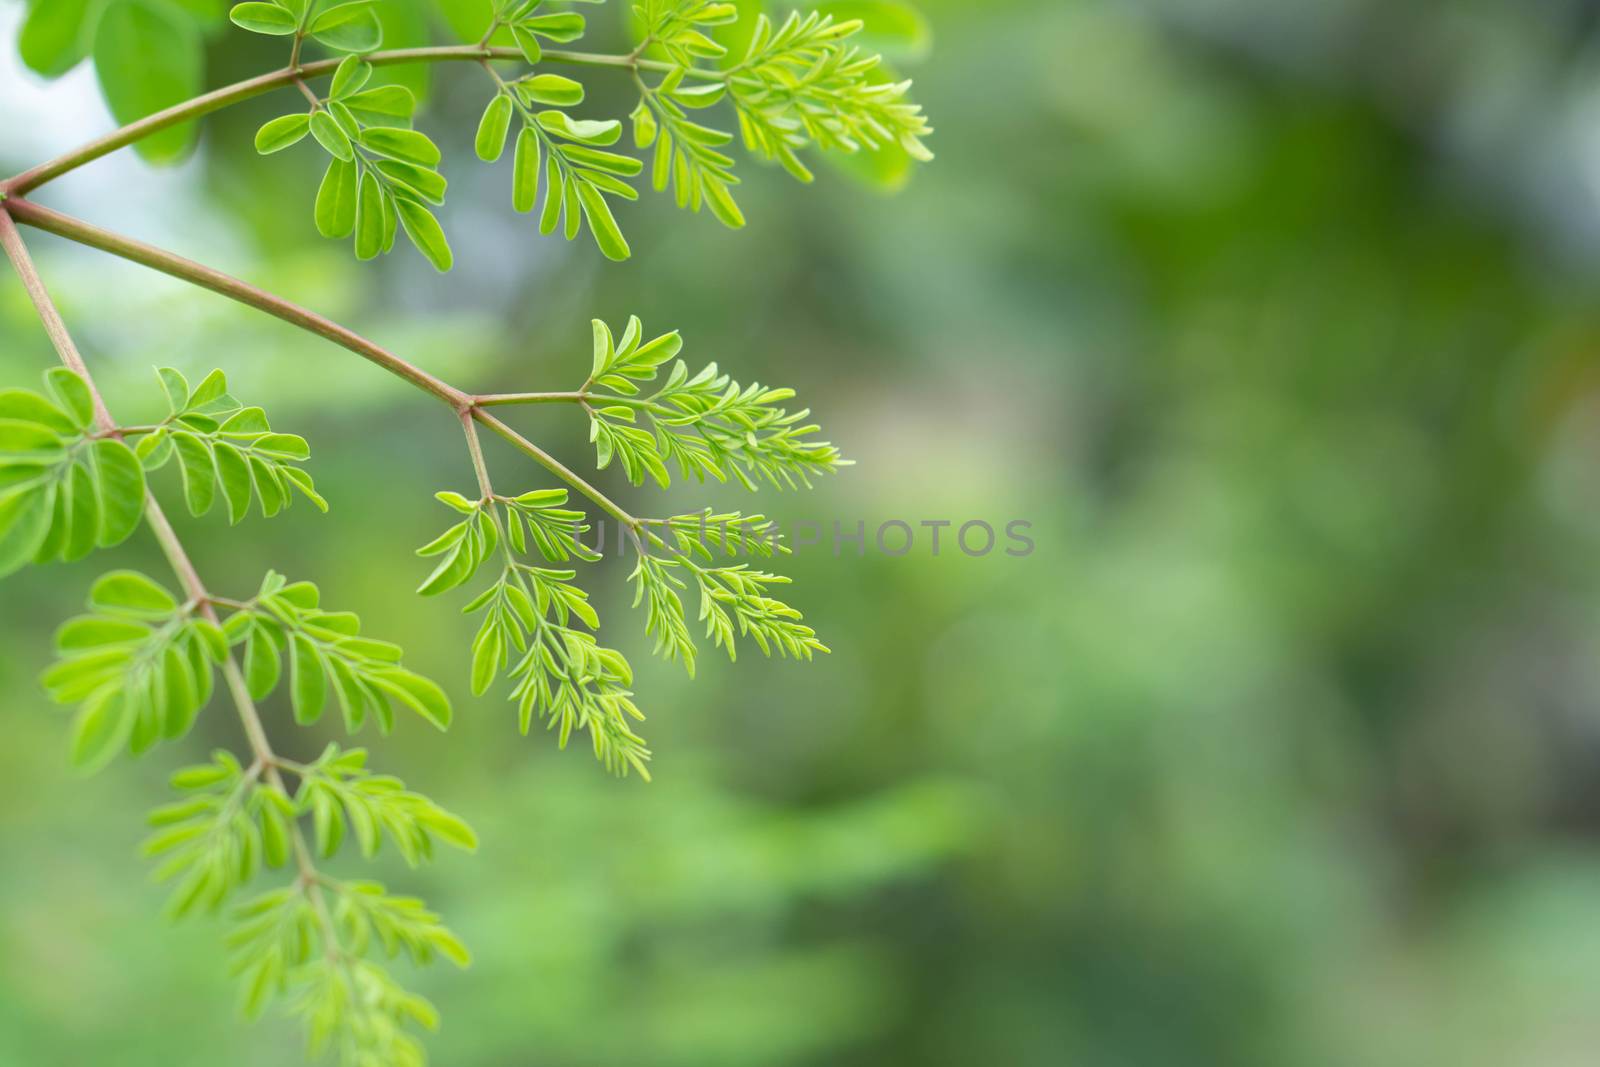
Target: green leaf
[(564, 28), (119, 480), (336, 199), (262, 666), (24, 524), (282, 132), (352, 27), (486, 658), (425, 233), (525, 171), (83, 519), (401, 143), (30, 441), (40, 417), (307, 682), (180, 691), (129, 34), (54, 35), (554, 196), (493, 128), (175, 386), (212, 390), (131, 594), (383, 103), (73, 394), (199, 472), (532, 51), (351, 74), (551, 89), (234, 472), (599, 132), (601, 223), (99, 731), (418, 693), (369, 217), (451, 829), (269, 492), (275, 836), (427, 184), (264, 18), (722, 204), (331, 137), (94, 631)]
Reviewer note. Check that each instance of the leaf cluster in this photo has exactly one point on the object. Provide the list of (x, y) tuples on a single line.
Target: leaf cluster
[(138, 665), (522, 18), (65, 487), (221, 444), (328, 658), (293, 941), (230, 823), (381, 174), (801, 84), (341, 795), (563, 154), (733, 603), (679, 26), (351, 26), (530, 615), (707, 425)]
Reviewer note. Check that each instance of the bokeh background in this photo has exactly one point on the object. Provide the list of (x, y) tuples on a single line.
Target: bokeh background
[(1278, 321)]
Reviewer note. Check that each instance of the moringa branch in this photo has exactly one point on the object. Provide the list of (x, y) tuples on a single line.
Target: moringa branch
[(74, 229), (50, 221), (141, 665), (228, 95), (182, 566)]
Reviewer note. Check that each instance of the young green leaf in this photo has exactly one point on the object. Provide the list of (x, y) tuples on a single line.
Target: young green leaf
[(351, 74), (602, 223), (331, 137), (336, 199), (282, 132), (270, 19), (525, 171), (369, 217), (493, 127), (352, 27), (425, 233), (551, 89), (128, 33), (401, 143)]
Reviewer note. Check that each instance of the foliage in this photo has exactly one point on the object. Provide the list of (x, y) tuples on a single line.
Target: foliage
[(143, 664), (381, 174), (139, 667), (65, 487), (220, 442), (708, 425), (563, 676), (328, 658), (801, 85)]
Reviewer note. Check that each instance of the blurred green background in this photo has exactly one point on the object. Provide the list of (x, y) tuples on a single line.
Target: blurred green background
[(1276, 320)]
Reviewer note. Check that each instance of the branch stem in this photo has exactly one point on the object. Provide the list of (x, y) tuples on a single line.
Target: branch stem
[(475, 450), (462, 403), (231, 94), (489, 400), (171, 547), (556, 467), (43, 218)]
